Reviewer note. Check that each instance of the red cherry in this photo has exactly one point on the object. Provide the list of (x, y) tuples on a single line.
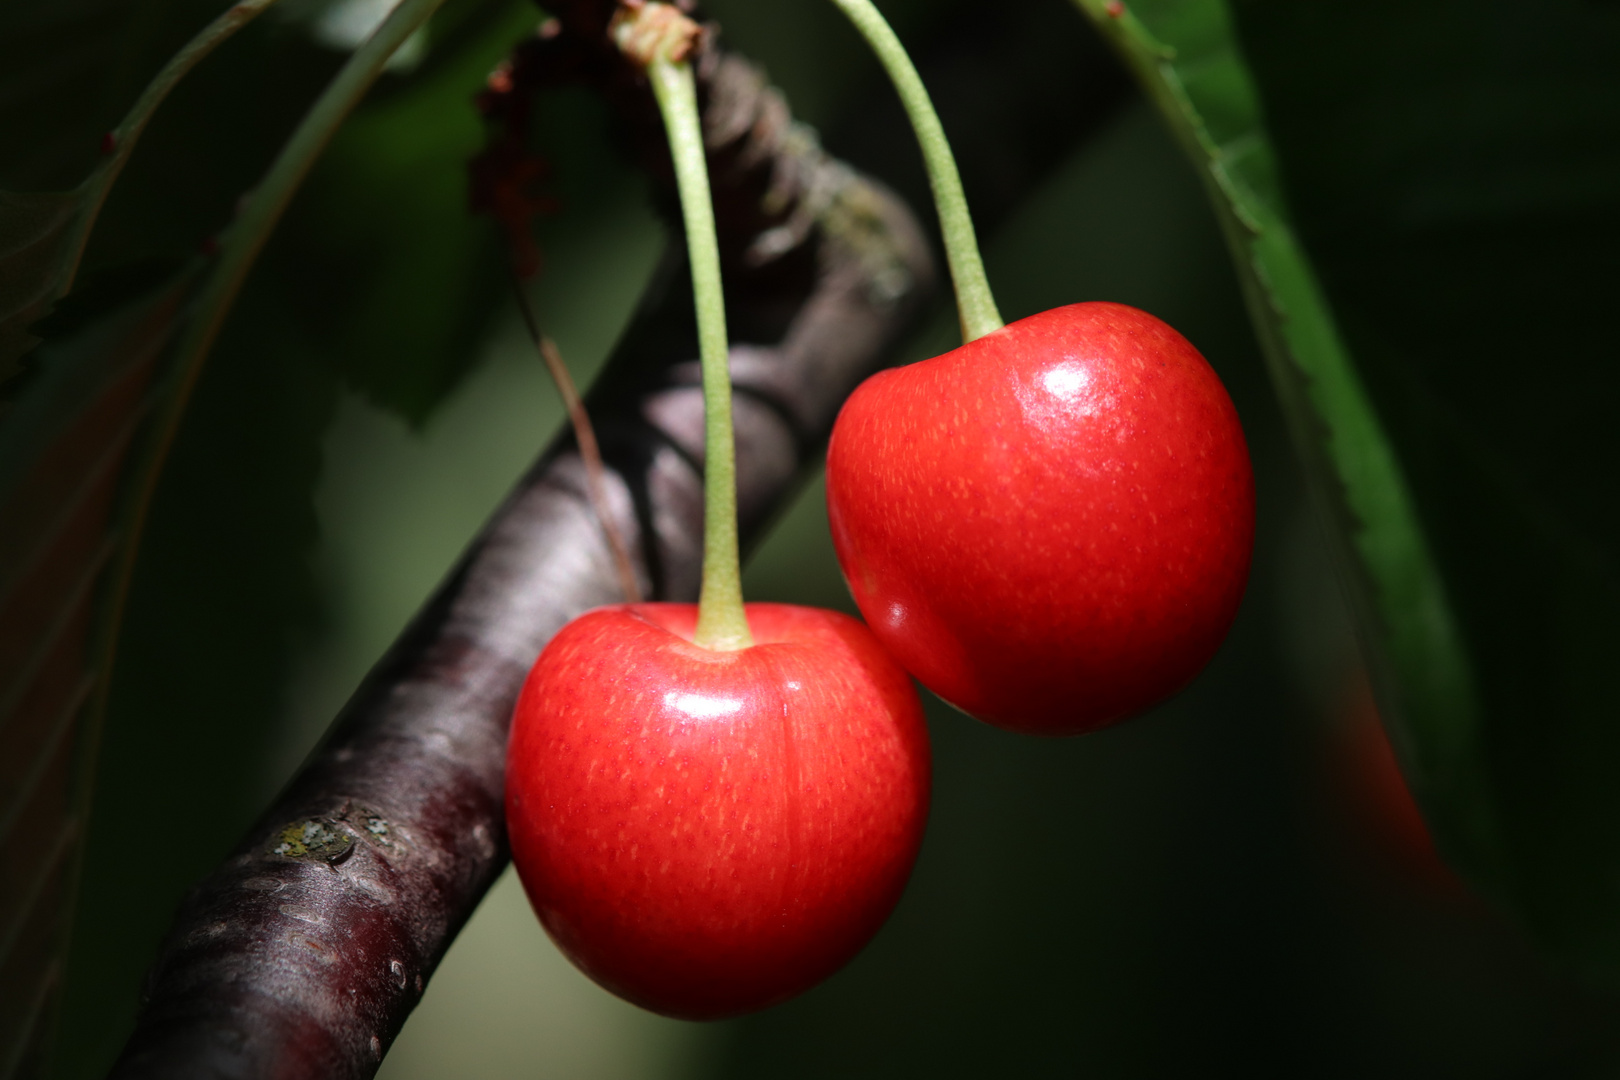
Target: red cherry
[(707, 833), (1050, 526)]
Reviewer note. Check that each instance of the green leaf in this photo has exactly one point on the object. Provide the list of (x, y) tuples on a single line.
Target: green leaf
[(64, 450), (1186, 57), (384, 224), (222, 600), (80, 456), (1441, 356)]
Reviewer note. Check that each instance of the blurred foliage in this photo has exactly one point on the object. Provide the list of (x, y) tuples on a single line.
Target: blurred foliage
[(1455, 174), (1191, 892)]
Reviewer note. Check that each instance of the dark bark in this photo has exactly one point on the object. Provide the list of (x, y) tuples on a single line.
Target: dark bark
[(302, 955)]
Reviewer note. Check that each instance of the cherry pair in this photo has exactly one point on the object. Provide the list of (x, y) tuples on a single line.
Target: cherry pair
[(714, 807)]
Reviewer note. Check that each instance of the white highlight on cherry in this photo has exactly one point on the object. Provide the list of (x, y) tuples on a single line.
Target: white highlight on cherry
[(703, 706), (1066, 381)]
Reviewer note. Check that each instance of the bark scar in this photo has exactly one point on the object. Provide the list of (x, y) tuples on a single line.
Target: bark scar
[(332, 839)]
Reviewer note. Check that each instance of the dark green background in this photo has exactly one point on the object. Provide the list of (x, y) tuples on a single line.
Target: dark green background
[(1199, 892)]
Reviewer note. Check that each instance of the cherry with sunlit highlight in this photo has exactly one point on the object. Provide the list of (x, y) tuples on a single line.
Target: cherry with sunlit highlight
[(1051, 525), (705, 832)]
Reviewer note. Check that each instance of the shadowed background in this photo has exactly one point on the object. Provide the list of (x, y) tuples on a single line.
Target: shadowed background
[(1223, 887)]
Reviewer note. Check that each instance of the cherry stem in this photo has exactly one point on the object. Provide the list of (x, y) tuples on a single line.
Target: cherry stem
[(975, 305), (659, 37), (585, 436)]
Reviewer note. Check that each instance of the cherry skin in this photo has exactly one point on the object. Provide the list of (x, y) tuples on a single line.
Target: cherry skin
[(707, 833), (1050, 526)]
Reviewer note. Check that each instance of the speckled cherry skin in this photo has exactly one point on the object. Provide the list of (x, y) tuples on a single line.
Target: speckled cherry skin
[(709, 833), (1050, 526)]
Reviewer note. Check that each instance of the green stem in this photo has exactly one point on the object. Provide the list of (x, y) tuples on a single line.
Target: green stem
[(124, 137), (974, 303), (722, 623)]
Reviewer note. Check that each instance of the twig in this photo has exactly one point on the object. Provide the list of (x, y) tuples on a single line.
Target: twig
[(585, 437)]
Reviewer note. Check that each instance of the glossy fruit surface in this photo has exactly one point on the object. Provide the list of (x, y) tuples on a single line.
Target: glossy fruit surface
[(707, 833), (1051, 525)]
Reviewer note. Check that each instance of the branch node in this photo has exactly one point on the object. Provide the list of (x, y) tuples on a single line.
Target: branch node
[(646, 32)]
